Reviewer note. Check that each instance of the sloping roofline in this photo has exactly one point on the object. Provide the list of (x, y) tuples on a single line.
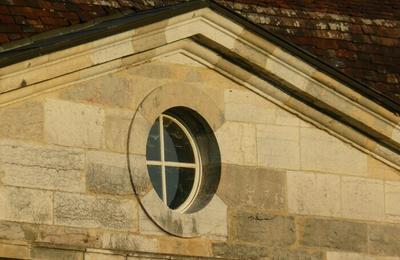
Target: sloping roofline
[(61, 39)]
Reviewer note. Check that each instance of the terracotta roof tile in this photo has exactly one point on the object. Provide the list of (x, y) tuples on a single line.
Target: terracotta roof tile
[(359, 37)]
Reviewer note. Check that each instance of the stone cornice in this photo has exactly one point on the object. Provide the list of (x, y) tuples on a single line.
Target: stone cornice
[(233, 50)]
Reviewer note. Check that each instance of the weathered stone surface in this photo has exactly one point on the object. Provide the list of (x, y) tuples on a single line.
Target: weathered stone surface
[(180, 58), (384, 239), (379, 170), (11, 230), (264, 228), (112, 52), (64, 235), (362, 198), (46, 156), (24, 121), (392, 200), (100, 256), (331, 255), (246, 106), (243, 149), (336, 156), (295, 254), (108, 179), (147, 226), (42, 178), (238, 251), (278, 146), (189, 247), (14, 251), (27, 205), (314, 194), (335, 234), (74, 124), (43, 253), (152, 70), (110, 90), (117, 129), (259, 187), (95, 211), (129, 241), (107, 158)]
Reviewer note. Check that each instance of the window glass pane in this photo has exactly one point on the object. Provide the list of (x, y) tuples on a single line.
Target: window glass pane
[(153, 151), (176, 145), (179, 185), (156, 178)]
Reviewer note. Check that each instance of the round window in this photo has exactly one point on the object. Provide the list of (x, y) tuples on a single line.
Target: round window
[(173, 162)]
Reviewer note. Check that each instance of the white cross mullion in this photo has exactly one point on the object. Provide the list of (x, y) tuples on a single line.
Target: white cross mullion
[(163, 177), (173, 164)]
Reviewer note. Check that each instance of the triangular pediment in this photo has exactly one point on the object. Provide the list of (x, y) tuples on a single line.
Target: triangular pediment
[(201, 36)]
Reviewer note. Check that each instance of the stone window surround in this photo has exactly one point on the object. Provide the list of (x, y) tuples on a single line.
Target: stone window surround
[(211, 215)]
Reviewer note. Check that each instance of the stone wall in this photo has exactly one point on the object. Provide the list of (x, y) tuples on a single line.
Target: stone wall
[(293, 191)]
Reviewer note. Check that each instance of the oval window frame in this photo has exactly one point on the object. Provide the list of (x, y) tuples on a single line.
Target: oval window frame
[(163, 163), (210, 212)]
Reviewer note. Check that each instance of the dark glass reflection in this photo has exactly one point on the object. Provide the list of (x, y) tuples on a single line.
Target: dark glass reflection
[(153, 152), (176, 145), (179, 185), (156, 179)]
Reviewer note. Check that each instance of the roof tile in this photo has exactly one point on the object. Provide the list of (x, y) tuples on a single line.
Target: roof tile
[(359, 37)]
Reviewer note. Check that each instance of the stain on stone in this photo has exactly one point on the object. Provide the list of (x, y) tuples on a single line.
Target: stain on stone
[(261, 218), (23, 84)]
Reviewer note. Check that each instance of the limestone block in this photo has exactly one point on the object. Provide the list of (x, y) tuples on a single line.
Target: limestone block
[(295, 78), (22, 121), (27, 205), (241, 251), (42, 177), (142, 86), (112, 51), (186, 247), (128, 241), (392, 200), (237, 143), (95, 211), (73, 124), (384, 239), (284, 253), (11, 251), (379, 170), (259, 187), (11, 231), (314, 194), (108, 179), (110, 90), (246, 106), (323, 152), (152, 70), (362, 198), (100, 256), (117, 129), (43, 253), (332, 255), (278, 146), (147, 226), (107, 158), (334, 234), (271, 230), (180, 58), (45, 156), (245, 251)]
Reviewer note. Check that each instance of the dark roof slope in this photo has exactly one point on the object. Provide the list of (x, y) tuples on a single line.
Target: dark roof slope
[(359, 37)]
